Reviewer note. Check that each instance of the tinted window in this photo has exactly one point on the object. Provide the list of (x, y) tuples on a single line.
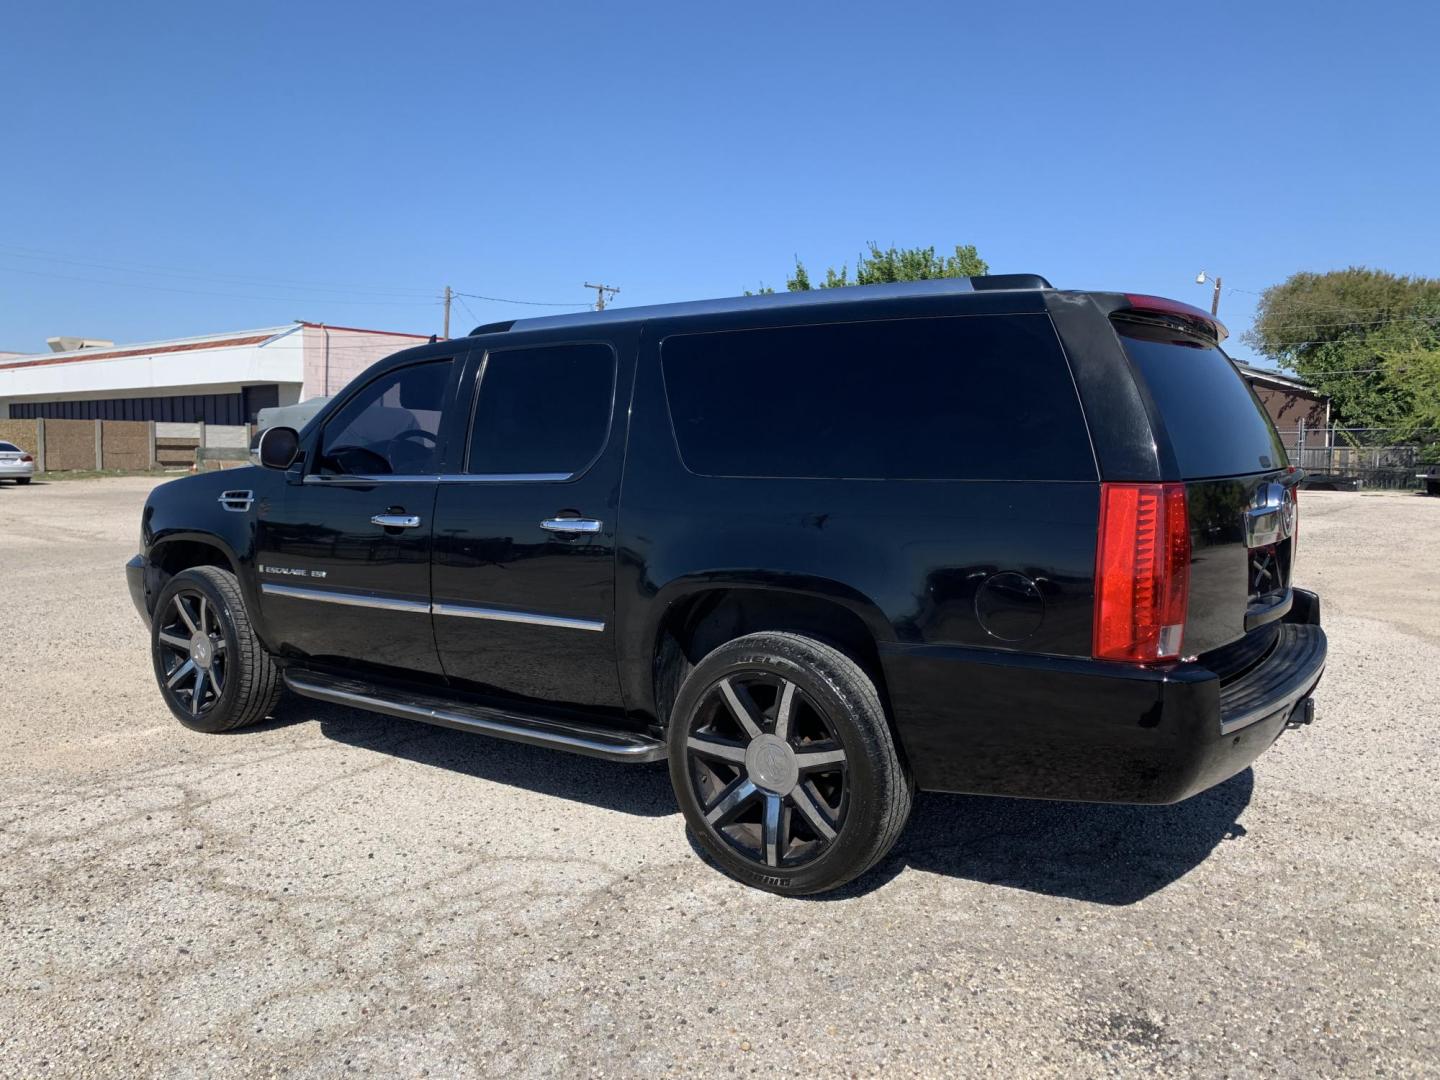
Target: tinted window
[(8, 447), (391, 426), (1216, 424), (981, 397), (542, 410)]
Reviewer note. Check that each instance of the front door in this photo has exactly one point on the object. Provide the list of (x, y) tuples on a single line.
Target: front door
[(524, 566), (343, 554)]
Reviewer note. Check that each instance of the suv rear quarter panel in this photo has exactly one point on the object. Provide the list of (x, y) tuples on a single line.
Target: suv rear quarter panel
[(907, 556)]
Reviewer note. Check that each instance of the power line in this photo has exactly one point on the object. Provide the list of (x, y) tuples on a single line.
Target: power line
[(375, 302), (158, 271), (531, 303), (476, 318)]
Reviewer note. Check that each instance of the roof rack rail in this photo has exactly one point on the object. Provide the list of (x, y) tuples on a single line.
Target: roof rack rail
[(492, 328), (996, 282)]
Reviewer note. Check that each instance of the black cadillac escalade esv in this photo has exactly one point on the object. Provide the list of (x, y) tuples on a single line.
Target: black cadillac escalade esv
[(817, 550)]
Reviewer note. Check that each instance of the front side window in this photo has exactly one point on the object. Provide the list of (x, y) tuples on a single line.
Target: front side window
[(391, 427), (542, 410)]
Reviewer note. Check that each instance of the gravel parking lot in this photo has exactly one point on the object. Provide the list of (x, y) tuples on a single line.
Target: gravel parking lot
[(340, 893)]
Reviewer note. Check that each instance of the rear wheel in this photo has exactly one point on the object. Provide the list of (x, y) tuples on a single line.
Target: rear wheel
[(212, 670), (784, 765), (22, 479)]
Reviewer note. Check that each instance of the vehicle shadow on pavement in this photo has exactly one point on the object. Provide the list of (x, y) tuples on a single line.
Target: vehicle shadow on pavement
[(630, 789), (1084, 851)]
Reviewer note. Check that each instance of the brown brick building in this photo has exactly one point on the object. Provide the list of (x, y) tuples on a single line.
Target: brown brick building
[(1292, 403)]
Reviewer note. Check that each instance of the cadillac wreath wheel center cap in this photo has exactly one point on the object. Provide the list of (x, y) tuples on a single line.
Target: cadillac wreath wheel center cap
[(771, 764), (201, 650)]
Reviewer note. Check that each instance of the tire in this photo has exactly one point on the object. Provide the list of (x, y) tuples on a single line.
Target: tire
[(760, 799), (22, 480), (208, 597)]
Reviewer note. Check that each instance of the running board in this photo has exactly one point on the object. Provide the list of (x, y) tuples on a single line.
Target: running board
[(578, 738)]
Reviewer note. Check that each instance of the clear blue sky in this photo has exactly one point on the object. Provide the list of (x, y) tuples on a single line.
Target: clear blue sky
[(342, 162)]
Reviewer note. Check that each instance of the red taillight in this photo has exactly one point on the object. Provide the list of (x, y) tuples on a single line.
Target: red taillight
[(1142, 572), (26, 457)]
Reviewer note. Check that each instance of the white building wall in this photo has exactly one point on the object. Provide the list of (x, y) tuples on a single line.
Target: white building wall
[(304, 360), (223, 369)]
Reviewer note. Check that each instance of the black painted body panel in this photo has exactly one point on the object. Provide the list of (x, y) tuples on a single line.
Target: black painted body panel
[(977, 594)]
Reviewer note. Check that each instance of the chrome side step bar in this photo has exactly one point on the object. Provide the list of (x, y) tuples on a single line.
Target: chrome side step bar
[(578, 738)]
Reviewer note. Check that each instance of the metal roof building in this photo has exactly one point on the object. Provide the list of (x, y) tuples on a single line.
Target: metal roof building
[(217, 378)]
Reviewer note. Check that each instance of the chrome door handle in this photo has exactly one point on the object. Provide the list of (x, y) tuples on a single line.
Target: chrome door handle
[(572, 525), (396, 521)]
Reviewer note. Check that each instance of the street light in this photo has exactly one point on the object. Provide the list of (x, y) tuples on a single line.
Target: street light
[(1215, 296)]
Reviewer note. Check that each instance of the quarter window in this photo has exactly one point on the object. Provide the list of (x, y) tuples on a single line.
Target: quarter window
[(542, 410), (392, 426), (985, 397)]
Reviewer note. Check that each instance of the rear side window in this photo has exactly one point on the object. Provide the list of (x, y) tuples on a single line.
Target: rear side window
[(986, 397), (542, 410), (1216, 425)]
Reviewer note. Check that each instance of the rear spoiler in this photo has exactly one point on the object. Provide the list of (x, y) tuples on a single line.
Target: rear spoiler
[(1191, 317)]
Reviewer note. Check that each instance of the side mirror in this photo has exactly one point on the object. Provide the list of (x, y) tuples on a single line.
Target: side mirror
[(277, 447)]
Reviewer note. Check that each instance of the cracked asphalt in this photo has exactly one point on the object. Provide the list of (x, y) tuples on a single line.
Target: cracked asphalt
[(336, 893)]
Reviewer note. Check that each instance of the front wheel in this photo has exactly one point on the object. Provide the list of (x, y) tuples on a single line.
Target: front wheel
[(784, 764), (212, 670)]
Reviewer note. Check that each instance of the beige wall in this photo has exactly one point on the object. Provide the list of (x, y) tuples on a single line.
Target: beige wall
[(125, 444), (19, 432), (69, 444), (350, 353)]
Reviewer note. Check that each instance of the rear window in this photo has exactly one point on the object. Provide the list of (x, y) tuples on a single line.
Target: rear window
[(984, 397), (1217, 426), (8, 448)]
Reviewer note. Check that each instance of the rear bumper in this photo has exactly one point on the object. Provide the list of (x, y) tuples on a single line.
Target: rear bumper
[(135, 577), (1056, 728), (13, 470)]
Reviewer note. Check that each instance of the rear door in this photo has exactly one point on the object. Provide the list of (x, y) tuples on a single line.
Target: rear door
[(524, 564), (1240, 491)]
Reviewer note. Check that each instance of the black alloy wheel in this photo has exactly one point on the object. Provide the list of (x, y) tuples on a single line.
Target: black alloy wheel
[(768, 768), (194, 657), (213, 672), (784, 764)]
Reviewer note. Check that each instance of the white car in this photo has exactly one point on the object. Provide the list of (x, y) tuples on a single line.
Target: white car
[(15, 464)]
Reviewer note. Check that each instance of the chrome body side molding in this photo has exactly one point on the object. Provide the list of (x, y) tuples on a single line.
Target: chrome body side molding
[(470, 611), (421, 607)]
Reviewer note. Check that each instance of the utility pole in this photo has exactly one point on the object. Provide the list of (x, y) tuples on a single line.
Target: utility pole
[(448, 294), (1214, 296), (600, 291)]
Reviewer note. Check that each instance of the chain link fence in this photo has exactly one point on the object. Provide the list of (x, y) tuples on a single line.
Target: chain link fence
[(1364, 458)]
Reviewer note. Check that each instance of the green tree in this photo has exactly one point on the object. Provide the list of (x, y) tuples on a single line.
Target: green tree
[(1367, 338), (875, 267)]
